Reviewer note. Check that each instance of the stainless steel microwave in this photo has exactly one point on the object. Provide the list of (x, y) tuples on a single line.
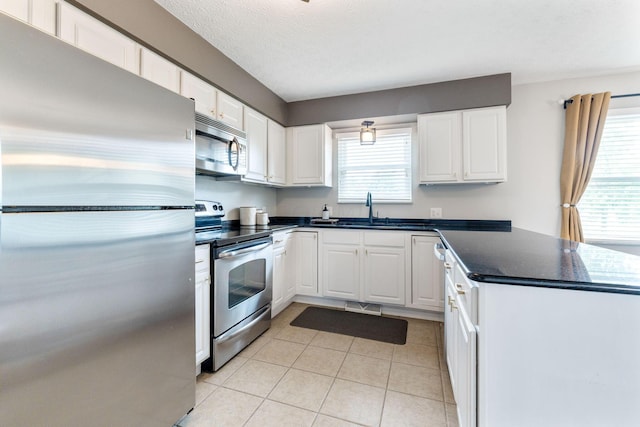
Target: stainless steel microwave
[(220, 148)]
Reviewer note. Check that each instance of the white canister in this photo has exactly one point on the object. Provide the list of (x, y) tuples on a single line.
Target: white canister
[(262, 218), (248, 216)]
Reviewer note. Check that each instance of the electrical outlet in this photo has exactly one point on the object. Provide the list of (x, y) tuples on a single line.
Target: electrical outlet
[(436, 212)]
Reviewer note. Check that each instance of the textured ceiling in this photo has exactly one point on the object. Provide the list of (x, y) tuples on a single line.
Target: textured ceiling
[(334, 47)]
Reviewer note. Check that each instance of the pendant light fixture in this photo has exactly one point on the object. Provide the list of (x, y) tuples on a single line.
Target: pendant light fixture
[(367, 134)]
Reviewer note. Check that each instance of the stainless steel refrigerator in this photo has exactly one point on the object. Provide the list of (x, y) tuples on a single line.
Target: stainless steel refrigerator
[(96, 240)]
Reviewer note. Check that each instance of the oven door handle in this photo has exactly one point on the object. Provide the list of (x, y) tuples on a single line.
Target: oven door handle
[(258, 318), (233, 253)]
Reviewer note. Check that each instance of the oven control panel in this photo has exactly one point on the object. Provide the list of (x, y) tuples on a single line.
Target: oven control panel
[(208, 208)]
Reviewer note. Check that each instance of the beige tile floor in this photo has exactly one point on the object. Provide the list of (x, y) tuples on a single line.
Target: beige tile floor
[(301, 377)]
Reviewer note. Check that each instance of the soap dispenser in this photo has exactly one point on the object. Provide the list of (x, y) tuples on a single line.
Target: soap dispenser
[(325, 212)]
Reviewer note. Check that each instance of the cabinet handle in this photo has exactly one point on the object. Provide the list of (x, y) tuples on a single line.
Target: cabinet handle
[(285, 253), (198, 261), (315, 236), (356, 252), (222, 115), (447, 265), (277, 241), (366, 251), (213, 112), (414, 240), (459, 289), (452, 304)]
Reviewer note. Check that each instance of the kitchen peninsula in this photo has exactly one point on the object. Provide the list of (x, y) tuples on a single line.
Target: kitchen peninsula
[(558, 331)]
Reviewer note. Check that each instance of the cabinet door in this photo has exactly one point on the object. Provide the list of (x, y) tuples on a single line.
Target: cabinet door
[(256, 127), (465, 387), (279, 271), (16, 8), (439, 139), (341, 271), (203, 94), (485, 144), (230, 111), (306, 271), (202, 318), (96, 38), (450, 329), (307, 155), (155, 68), (289, 267), (276, 154), (427, 281), (384, 270), (43, 15), (202, 302)]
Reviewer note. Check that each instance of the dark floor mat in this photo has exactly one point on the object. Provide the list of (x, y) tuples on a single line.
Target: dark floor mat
[(367, 326)]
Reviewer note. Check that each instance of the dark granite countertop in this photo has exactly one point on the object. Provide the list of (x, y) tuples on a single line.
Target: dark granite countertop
[(401, 224), (521, 257)]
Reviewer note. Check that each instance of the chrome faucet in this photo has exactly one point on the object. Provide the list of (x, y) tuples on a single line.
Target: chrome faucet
[(369, 203)]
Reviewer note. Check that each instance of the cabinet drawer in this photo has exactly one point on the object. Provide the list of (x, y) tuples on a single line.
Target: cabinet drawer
[(280, 239), (202, 258), (384, 238), (343, 237)]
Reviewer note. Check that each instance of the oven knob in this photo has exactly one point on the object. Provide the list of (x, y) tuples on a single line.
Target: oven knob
[(220, 207), (215, 207)]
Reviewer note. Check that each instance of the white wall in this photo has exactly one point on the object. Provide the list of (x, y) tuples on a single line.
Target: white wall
[(232, 195), (531, 196)]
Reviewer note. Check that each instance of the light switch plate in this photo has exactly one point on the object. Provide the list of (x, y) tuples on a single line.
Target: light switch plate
[(436, 213)]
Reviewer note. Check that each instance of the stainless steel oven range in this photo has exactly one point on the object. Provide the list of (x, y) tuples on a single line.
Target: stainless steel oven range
[(241, 292)]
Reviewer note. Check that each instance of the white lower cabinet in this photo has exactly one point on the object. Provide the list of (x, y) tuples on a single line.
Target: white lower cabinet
[(283, 266), (306, 263), (364, 266), (384, 267), (202, 302), (427, 291), (461, 343), (341, 271)]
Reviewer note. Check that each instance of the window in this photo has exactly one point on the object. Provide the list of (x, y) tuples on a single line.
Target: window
[(610, 207), (384, 168)]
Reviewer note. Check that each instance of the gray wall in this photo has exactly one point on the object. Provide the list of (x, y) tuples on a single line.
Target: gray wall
[(153, 26), (444, 96)]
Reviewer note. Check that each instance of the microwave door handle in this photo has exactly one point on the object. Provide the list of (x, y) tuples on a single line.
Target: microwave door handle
[(233, 142), (233, 253)]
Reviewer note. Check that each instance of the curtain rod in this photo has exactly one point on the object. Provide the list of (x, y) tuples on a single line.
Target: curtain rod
[(564, 102)]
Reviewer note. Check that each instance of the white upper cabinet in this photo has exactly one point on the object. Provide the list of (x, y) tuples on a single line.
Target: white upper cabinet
[(484, 144), (309, 155), (96, 38), (39, 13), (230, 111), (203, 94), (463, 146), (155, 68), (276, 154), (257, 130), (16, 8), (439, 137)]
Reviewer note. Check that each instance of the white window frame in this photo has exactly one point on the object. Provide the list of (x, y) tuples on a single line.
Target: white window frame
[(408, 165), (583, 209)]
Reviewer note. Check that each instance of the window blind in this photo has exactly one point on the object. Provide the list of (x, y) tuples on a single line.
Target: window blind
[(610, 206), (384, 168)]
